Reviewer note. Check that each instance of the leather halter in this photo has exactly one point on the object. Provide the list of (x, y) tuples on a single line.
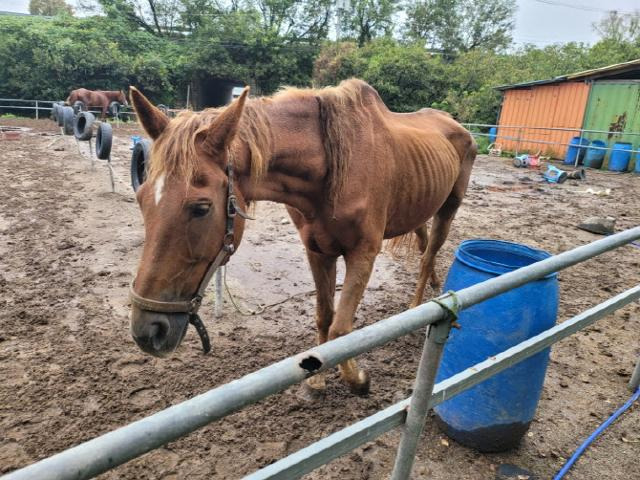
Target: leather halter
[(191, 306)]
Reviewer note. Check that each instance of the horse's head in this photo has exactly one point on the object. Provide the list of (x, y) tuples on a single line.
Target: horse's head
[(122, 98), (188, 205)]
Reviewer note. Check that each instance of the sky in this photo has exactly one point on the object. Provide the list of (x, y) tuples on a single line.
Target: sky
[(541, 22)]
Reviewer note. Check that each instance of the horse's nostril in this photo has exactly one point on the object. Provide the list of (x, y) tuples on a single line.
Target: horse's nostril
[(158, 334)]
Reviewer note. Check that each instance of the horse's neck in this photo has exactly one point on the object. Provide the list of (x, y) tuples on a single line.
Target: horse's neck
[(297, 165)]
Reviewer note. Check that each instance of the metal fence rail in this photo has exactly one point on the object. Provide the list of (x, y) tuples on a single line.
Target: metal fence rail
[(37, 106), (317, 454), (519, 137), (119, 446)]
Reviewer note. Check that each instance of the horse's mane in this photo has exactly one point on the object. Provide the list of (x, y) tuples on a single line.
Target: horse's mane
[(341, 111), (175, 153)]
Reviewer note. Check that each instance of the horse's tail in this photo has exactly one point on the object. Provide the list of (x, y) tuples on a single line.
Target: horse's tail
[(403, 246)]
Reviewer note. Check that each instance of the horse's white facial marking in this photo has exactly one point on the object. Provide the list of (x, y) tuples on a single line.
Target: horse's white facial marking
[(159, 188)]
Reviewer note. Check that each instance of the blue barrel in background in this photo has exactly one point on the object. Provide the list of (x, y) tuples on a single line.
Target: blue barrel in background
[(595, 156), (636, 170), (620, 157), (495, 414), (576, 150), (493, 134)]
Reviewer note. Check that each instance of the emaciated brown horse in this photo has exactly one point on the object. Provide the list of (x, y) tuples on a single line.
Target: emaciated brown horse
[(97, 98), (350, 172)]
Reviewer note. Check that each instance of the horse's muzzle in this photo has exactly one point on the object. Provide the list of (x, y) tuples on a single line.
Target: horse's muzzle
[(158, 333)]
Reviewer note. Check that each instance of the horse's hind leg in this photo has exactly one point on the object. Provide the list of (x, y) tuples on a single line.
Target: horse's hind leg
[(423, 242), (323, 269), (422, 232)]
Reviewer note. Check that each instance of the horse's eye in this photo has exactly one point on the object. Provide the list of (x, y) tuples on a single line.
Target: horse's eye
[(200, 209)]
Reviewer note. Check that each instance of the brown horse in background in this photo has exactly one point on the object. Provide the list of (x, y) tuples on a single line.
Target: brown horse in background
[(350, 172), (97, 98)]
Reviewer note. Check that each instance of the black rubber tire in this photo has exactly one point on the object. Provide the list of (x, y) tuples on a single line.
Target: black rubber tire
[(114, 109), (60, 115), (104, 137), (83, 126), (140, 163), (164, 109), (78, 106), (55, 108), (68, 119)]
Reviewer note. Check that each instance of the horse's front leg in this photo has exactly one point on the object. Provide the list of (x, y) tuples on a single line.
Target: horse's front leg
[(359, 265), (323, 269)]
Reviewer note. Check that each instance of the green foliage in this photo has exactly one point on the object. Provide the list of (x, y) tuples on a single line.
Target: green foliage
[(49, 7), (454, 26), (48, 58), (619, 27), (407, 77), (364, 20), (269, 43)]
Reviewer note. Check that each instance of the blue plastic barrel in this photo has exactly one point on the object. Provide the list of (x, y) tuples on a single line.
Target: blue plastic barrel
[(495, 414), (493, 134), (620, 157), (636, 170), (595, 156), (576, 150)]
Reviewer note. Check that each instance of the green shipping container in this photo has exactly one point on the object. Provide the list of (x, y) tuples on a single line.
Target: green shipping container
[(614, 106)]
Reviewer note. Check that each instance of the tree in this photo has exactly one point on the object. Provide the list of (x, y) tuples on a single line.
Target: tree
[(619, 28), (455, 26), (407, 77), (297, 19), (159, 17), (364, 20), (49, 8)]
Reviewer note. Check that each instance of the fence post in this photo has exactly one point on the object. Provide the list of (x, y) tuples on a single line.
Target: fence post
[(635, 377), (580, 133), (437, 335), (37, 110), (518, 141)]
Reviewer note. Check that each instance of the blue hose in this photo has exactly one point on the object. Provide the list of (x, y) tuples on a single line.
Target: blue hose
[(595, 435)]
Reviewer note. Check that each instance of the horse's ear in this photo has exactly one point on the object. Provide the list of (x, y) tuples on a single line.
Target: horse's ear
[(217, 136), (150, 117)]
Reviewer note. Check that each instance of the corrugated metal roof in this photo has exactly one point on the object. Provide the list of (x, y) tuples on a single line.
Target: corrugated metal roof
[(610, 69)]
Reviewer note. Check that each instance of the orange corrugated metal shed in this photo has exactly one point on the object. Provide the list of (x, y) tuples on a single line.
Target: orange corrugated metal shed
[(556, 105)]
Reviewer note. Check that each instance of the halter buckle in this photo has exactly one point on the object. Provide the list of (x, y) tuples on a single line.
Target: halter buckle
[(232, 207), (196, 301)]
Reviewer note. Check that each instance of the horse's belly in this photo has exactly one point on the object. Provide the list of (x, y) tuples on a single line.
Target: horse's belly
[(413, 216), (414, 205)]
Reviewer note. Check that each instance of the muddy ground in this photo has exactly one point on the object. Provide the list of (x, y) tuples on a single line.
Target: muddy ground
[(69, 370)]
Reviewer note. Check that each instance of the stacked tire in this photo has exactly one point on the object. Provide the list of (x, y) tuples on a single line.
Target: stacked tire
[(104, 138), (66, 119), (83, 126), (55, 110), (140, 163)]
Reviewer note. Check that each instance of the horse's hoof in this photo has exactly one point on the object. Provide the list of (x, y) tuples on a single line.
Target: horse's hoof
[(362, 386), (311, 391)]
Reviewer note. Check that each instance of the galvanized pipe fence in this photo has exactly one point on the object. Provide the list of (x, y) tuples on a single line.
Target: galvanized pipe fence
[(119, 446), (47, 105), (520, 139), (38, 105)]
